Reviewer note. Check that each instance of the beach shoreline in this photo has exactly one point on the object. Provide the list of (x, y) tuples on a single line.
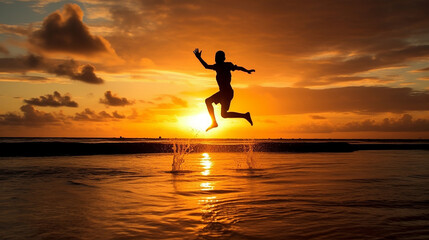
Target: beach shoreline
[(35, 147)]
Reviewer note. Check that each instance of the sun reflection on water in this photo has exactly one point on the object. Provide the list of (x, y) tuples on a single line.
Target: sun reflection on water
[(206, 163), (206, 186), (208, 203)]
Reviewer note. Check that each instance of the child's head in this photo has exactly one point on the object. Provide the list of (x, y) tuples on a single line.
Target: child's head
[(220, 57)]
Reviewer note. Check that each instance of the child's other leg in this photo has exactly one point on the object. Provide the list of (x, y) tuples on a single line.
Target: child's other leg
[(209, 104)]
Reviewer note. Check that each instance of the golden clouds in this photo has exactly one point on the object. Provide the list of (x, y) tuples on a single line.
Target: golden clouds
[(308, 56)]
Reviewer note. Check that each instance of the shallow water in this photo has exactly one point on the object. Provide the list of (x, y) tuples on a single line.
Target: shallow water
[(358, 195)]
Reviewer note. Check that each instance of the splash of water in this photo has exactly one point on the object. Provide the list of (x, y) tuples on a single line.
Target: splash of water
[(250, 158), (179, 152), (248, 149)]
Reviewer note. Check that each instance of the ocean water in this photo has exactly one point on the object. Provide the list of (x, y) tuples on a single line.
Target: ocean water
[(356, 195)]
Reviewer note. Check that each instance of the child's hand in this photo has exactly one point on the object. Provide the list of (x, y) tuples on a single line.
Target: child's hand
[(250, 71), (197, 53)]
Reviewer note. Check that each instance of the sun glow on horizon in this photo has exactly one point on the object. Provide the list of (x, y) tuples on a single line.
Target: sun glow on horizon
[(198, 122)]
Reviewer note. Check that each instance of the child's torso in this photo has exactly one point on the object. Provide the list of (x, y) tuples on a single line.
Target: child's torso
[(223, 75)]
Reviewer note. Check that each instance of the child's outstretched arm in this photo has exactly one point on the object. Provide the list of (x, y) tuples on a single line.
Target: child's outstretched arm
[(245, 70), (198, 55)]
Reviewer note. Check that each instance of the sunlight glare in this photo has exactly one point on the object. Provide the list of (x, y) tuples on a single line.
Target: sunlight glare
[(199, 122)]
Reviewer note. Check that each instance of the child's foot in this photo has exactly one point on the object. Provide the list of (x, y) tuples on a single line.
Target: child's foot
[(248, 118), (212, 126)]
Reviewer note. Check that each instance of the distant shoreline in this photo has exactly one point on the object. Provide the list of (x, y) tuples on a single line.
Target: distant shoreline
[(107, 146)]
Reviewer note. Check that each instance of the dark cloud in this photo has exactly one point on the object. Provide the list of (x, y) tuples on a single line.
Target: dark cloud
[(115, 114), (111, 99), (406, 123), (21, 64), (364, 100), (31, 117), (90, 115), (68, 68), (87, 75), (65, 32), (52, 100)]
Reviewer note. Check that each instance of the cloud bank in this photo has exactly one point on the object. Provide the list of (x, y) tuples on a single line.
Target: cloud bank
[(90, 115), (31, 117), (67, 68), (52, 100), (406, 123)]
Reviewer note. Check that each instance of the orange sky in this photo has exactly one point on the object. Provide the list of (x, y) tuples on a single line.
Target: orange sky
[(324, 69)]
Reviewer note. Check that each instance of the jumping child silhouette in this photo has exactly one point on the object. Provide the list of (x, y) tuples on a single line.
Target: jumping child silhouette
[(224, 96)]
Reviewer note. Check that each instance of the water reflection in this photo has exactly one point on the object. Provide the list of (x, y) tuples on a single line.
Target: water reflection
[(206, 163), (202, 190), (206, 186), (208, 204), (212, 226), (364, 194)]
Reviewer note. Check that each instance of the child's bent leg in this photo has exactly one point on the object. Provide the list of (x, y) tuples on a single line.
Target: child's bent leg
[(225, 114)]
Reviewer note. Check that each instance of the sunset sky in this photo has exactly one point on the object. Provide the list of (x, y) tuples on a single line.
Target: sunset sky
[(324, 69)]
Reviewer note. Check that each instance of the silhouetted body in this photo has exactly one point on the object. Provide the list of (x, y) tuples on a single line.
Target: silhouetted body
[(224, 96)]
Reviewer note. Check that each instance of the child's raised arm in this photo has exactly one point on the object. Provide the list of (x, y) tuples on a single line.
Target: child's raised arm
[(198, 55), (245, 70)]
